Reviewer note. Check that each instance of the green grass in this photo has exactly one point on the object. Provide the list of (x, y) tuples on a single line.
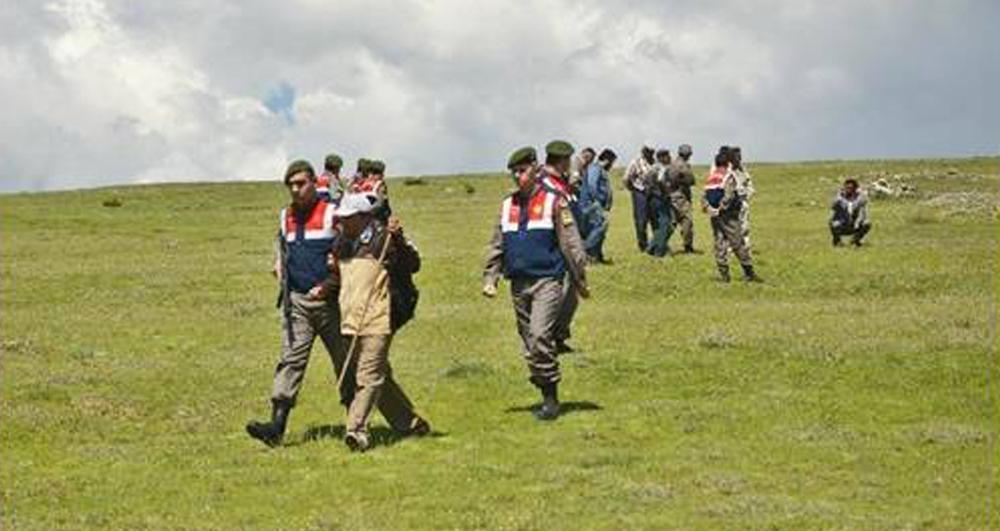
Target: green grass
[(855, 389)]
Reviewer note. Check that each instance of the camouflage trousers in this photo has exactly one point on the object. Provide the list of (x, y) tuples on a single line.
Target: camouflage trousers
[(728, 235), (682, 217), (745, 223), (537, 303)]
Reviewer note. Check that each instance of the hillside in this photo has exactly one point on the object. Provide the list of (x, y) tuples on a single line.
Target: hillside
[(856, 388)]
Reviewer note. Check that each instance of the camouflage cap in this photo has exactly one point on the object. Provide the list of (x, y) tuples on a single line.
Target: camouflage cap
[(299, 166), (559, 148), (377, 166), (523, 155), (684, 149), (333, 160)]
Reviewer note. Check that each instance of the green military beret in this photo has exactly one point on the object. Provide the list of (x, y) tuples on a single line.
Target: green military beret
[(523, 155), (363, 165), (377, 166), (333, 160), (559, 148), (299, 166)]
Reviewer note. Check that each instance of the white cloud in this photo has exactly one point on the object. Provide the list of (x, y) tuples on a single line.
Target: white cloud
[(111, 91)]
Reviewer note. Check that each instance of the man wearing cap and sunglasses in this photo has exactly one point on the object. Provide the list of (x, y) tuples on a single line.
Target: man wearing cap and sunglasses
[(537, 246)]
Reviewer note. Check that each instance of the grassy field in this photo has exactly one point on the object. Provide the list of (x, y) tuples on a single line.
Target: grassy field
[(857, 388)]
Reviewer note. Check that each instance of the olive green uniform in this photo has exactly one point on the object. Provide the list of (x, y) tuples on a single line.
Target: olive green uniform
[(680, 180), (727, 228), (539, 301)]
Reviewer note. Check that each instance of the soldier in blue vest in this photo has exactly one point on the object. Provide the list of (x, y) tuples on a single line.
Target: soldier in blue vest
[(722, 203), (537, 246), (305, 238)]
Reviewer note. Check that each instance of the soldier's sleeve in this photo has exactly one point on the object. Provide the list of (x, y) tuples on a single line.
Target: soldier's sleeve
[(278, 265), (571, 244), (494, 258), (751, 191)]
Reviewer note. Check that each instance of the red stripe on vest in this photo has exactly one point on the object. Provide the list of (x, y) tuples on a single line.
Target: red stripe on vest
[(536, 208), (313, 222)]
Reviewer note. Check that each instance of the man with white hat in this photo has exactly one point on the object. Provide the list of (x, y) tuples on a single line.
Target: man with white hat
[(370, 256)]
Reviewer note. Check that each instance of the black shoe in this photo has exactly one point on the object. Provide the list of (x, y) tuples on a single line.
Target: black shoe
[(418, 428), (563, 348), (750, 275), (724, 274), (689, 249), (856, 243), (270, 433), (550, 403), (837, 242)]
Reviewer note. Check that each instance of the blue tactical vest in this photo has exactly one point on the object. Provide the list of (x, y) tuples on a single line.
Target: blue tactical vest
[(307, 241), (530, 245)]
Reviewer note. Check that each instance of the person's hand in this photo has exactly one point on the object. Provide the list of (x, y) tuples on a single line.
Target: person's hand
[(490, 290), (394, 226), (317, 293), (276, 270)]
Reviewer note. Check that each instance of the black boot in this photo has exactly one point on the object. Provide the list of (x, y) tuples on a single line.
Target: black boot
[(749, 275), (550, 402), (270, 433), (689, 249), (724, 273)]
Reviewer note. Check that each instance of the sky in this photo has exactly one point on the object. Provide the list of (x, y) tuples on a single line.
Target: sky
[(99, 92)]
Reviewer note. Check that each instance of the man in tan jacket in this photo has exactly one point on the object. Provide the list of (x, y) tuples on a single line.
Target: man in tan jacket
[(368, 252)]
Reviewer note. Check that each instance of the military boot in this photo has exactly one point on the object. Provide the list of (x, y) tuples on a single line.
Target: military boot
[(271, 433), (550, 402), (723, 273), (750, 275)]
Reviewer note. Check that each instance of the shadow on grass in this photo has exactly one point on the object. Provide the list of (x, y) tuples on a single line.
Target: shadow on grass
[(564, 407), (381, 435)]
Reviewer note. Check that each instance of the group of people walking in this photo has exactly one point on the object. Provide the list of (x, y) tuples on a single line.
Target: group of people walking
[(346, 268)]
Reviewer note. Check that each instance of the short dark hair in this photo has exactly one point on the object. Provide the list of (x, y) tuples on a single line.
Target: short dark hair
[(589, 150), (608, 155), (721, 159), (851, 180), (662, 152)]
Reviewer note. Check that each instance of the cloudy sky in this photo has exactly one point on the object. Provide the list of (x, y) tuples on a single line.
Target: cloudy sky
[(114, 91)]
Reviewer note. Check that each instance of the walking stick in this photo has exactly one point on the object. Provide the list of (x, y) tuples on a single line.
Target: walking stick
[(364, 313)]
